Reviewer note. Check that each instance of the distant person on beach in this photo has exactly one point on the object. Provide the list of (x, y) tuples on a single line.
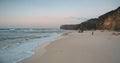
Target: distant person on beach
[(80, 30), (92, 33)]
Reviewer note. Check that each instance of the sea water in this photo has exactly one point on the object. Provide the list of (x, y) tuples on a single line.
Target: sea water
[(17, 44)]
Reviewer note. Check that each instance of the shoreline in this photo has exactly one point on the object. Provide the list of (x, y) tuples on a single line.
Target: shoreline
[(42, 47), (61, 50)]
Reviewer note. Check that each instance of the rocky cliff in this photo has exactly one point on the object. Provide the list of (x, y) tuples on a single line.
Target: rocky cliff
[(70, 27), (91, 24), (108, 21)]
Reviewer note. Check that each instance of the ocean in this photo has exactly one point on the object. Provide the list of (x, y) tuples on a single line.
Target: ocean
[(17, 44)]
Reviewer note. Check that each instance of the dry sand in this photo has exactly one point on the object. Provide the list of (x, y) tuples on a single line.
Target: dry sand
[(102, 47)]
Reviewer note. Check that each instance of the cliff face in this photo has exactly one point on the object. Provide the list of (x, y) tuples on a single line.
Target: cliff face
[(108, 21), (91, 24), (69, 27), (87, 25)]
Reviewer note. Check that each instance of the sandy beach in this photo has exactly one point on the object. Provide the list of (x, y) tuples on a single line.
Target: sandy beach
[(101, 47)]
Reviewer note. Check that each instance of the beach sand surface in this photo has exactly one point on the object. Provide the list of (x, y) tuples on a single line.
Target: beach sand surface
[(74, 47)]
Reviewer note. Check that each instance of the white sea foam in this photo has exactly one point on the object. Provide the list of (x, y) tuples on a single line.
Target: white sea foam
[(20, 51)]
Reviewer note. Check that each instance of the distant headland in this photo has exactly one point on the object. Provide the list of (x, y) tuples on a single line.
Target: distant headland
[(107, 21)]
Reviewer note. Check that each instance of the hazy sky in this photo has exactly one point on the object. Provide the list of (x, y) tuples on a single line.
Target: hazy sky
[(52, 12)]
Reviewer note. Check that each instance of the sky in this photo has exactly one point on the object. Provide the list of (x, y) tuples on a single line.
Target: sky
[(52, 12)]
